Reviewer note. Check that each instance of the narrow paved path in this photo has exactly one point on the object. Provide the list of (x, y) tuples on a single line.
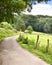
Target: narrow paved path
[(11, 53)]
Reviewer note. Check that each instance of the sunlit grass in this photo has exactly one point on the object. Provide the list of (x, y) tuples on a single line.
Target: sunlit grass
[(41, 51), (6, 33)]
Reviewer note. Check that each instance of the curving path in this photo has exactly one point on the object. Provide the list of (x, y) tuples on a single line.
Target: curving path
[(11, 53)]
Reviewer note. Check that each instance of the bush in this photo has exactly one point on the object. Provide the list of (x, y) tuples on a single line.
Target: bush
[(30, 29), (23, 39), (5, 25), (20, 38), (6, 33)]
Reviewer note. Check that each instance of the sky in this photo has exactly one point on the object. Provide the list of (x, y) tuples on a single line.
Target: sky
[(41, 9), (50, 2)]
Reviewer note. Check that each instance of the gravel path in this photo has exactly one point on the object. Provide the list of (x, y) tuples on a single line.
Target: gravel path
[(11, 53)]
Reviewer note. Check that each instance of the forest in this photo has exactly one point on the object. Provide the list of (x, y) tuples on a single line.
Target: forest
[(39, 23)]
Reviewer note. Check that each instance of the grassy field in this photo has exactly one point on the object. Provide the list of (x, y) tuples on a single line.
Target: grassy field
[(41, 50)]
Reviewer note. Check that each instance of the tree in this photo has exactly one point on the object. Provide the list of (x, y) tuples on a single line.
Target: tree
[(48, 26), (30, 20), (39, 23), (8, 7), (19, 24), (29, 29)]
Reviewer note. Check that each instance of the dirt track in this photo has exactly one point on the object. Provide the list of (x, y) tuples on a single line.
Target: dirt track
[(12, 54)]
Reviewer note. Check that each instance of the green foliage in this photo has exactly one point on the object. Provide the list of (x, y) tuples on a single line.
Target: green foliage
[(41, 51), (19, 23), (20, 38), (39, 23), (29, 29), (23, 39), (48, 27), (6, 30), (8, 7), (6, 33), (5, 25)]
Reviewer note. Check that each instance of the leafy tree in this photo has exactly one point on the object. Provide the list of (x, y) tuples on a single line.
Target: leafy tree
[(30, 20), (39, 23), (19, 24), (48, 26), (8, 7)]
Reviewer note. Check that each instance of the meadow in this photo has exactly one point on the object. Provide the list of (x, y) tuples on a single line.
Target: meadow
[(29, 42)]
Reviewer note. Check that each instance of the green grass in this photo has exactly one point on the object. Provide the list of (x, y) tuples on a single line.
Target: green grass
[(6, 33), (41, 51)]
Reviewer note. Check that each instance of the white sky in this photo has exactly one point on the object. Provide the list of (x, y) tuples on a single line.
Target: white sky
[(41, 9)]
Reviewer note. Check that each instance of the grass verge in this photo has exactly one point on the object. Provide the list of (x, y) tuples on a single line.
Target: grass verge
[(6, 33), (30, 46)]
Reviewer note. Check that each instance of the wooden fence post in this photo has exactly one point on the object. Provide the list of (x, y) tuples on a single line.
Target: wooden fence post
[(47, 47), (37, 42)]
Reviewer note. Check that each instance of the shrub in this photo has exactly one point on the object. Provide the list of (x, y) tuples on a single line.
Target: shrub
[(23, 39), (5, 25), (20, 38), (6, 33), (30, 29)]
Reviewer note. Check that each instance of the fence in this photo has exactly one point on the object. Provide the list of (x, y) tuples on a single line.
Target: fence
[(37, 44)]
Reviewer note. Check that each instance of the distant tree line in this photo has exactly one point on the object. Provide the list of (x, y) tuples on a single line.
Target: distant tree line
[(39, 23)]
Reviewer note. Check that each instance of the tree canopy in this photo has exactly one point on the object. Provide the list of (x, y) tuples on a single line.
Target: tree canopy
[(8, 7)]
